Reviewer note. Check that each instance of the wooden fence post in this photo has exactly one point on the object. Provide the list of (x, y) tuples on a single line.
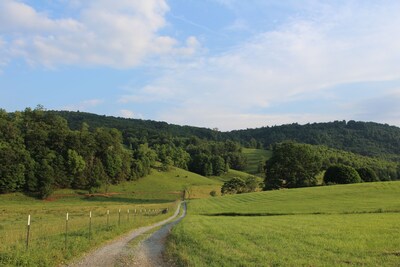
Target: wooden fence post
[(66, 230), (90, 225), (108, 219), (28, 231)]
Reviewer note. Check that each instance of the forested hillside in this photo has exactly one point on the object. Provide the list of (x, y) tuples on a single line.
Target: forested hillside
[(365, 138), (39, 152)]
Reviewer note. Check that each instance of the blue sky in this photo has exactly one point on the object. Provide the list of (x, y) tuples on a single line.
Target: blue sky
[(229, 64)]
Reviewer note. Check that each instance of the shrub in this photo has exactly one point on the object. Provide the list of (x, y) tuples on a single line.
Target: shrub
[(233, 186), (341, 174), (367, 174), (213, 193)]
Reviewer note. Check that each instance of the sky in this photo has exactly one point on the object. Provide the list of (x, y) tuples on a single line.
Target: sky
[(226, 64)]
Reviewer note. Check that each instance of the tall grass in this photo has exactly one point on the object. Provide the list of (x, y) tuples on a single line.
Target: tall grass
[(48, 228)]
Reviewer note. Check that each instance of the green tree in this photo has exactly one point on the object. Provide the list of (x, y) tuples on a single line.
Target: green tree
[(219, 165), (45, 174), (292, 165), (253, 183), (341, 174), (12, 169), (367, 174), (233, 186)]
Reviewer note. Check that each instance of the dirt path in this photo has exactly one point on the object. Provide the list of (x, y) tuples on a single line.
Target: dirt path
[(149, 253), (118, 253)]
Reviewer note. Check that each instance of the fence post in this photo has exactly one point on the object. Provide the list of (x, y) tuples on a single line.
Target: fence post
[(66, 230), (108, 219), (119, 217), (128, 215), (28, 231), (90, 225)]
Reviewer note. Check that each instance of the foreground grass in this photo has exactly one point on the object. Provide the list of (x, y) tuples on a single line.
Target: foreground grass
[(47, 245), (354, 225), (301, 240), (157, 191)]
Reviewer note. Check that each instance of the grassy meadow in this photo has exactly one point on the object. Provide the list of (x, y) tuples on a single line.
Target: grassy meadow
[(344, 225), (254, 158), (153, 193)]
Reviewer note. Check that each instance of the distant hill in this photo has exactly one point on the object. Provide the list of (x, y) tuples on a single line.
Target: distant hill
[(365, 138), (137, 127)]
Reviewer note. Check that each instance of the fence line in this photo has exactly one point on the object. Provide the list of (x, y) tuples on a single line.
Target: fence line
[(73, 223)]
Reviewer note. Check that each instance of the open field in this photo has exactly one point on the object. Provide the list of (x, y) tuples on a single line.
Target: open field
[(321, 226), (157, 191), (231, 174), (254, 158)]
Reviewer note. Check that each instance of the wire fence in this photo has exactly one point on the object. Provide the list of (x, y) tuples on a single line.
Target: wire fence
[(51, 226)]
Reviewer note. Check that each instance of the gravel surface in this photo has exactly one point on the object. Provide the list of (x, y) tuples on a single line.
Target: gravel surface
[(149, 252), (118, 252)]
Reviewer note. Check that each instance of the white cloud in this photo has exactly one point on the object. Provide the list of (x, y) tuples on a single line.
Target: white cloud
[(84, 105), (119, 34), (126, 113), (353, 43)]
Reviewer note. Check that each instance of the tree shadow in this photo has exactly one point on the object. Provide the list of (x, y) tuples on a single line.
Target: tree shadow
[(120, 199)]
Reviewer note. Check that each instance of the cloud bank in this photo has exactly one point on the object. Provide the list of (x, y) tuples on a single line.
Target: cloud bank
[(301, 59), (118, 34)]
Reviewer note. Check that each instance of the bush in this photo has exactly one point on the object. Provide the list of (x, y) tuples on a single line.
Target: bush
[(233, 186), (341, 174), (367, 174), (213, 193)]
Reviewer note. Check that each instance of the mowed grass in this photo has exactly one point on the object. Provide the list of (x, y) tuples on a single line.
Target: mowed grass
[(301, 240), (153, 193), (353, 198), (351, 225), (254, 158), (231, 174)]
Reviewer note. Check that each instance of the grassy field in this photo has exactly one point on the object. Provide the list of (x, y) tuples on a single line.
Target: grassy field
[(153, 193), (351, 225), (254, 158), (231, 174)]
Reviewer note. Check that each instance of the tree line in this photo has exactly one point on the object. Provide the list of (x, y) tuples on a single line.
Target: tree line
[(298, 165), (39, 153), (364, 138)]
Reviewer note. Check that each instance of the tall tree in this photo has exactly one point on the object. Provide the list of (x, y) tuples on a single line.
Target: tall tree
[(292, 165)]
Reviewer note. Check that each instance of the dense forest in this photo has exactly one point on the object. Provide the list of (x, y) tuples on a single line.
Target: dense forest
[(364, 138), (44, 150), (39, 152)]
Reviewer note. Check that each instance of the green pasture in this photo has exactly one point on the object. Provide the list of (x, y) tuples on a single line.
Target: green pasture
[(254, 158), (353, 198), (231, 174), (344, 225), (144, 199), (300, 240)]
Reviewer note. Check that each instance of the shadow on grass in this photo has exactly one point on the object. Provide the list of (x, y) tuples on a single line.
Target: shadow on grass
[(235, 214), (120, 199)]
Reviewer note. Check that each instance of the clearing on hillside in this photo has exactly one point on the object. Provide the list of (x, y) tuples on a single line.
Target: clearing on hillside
[(256, 159)]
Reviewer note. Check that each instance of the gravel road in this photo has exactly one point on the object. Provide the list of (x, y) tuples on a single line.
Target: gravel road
[(147, 253)]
